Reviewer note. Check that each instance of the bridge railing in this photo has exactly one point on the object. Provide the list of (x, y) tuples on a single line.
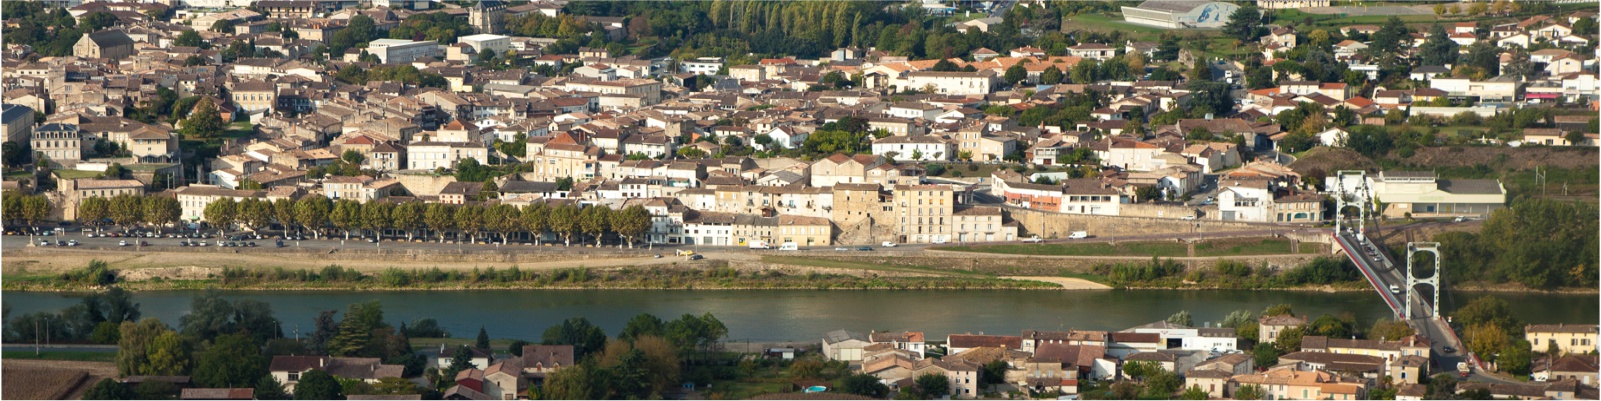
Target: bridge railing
[(1367, 272)]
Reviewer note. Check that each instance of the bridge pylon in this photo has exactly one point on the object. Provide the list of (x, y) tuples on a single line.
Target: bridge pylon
[(1350, 188), (1413, 248)]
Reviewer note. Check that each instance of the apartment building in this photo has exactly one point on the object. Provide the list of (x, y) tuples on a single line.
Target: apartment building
[(433, 155), (400, 51), (952, 82), (58, 142), (193, 199), (924, 213), (1570, 338)]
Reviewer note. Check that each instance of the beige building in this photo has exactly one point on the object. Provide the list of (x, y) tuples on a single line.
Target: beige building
[(803, 231), (924, 213), (1269, 327), (109, 44), (1571, 338), (254, 96), (649, 92), (856, 202), (553, 162), (986, 224), (1422, 194), (433, 155), (58, 142), (1281, 384), (194, 199)]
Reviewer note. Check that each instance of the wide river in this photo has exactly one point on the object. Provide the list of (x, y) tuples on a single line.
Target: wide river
[(774, 315)]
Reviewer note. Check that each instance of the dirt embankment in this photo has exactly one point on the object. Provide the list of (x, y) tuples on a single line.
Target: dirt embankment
[(26, 379), (1505, 158)]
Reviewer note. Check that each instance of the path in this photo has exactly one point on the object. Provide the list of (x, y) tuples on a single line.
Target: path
[(1067, 283)]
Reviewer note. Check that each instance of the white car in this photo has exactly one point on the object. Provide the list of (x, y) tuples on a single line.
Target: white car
[(1034, 239), (122, 243), (939, 241), (888, 244)]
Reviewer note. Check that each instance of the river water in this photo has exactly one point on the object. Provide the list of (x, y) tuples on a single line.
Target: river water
[(775, 315)]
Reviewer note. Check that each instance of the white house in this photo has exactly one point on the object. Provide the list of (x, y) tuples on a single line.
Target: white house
[(914, 147), (844, 345), (432, 155)]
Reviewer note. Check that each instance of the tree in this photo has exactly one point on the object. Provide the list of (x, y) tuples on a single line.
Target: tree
[(204, 121), (1515, 357), (312, 212), (631, 223), (933, 386), (355, 336), (1389, 330), (1248, 392), (583, 381), (150, 348), (128, 210), (375, 217), (1389, 37), (1243, 23), (469, 220), (864, 385), (1438, 49), (585, 337), (1016, 73), (407, 217), (268, 388), (93, 211), (644, 324), (323, 332), (1289, 340), (647, 365), (346, 215), (440, 217), (108, 389), (160, 211), (483, 338), (1485, 339), (209, 316), (564, 220), (395, 386), (318, 385), (1194, 393), (1265, 354), (503, 219), (233, 360), (533, 220), (1181, 318), (1051, 75), (1199, 134)]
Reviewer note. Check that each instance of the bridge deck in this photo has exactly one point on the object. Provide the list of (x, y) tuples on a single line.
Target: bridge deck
[(1365, 263)]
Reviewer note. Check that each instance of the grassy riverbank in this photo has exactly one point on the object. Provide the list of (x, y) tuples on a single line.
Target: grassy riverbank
[(1165, 249), (711, 275)]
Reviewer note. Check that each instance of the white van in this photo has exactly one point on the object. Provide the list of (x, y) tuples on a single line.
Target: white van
[(760, 245), (1079, 235), (789, 246)]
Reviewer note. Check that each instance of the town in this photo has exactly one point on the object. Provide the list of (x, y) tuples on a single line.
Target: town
[(1392, 136)]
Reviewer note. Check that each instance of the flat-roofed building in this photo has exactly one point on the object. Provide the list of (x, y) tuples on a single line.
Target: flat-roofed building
[(1180, 14), (1422, 194), (400, 51)]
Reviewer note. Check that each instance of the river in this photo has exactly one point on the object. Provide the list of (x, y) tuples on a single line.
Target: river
[(775, 315)]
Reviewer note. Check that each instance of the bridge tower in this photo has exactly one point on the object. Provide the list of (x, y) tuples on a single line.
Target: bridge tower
[(1350, 188), (1413, 248)]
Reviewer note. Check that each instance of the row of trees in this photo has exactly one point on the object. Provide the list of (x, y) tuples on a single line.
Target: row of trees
[(126, 210), (316, 213), (26, 210)]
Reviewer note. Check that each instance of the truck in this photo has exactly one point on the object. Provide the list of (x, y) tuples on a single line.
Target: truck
[(1079, 235), (760, 245), (1463, 369), (789, 246)]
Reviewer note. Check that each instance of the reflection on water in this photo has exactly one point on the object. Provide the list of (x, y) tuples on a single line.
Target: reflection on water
[(807, 314)]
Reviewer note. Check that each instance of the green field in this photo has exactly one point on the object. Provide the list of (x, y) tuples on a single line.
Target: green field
[(84, 356), (76, 174), (1108, 23), (1162, 249), (1235, 248)]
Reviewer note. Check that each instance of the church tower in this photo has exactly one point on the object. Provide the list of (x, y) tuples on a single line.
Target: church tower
[(487, 16)]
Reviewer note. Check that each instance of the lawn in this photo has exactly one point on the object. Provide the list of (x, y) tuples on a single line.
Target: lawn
[(1111, 22), (76, 174), (83, 356), (1162, 249), (1271, 246)]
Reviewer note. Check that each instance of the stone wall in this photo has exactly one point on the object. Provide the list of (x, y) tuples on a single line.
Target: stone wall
[(1155, 210), (1060, 225), (424, 184), (1007, 265)]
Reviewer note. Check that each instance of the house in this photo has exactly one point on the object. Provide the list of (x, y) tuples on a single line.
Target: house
[(1096, 51), (843, 345), (481, 358), (1269, 327), (539, 361), (914, 148), (288, 369), (1388, 350), (910, 341), (1578, 367), (1570, 338), (428, 155), (107, 44), (1301, 385), (961, 374), (956, 343), (952, 82)]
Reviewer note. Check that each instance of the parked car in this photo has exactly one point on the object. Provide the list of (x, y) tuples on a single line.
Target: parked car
[(842, 249), (888, 244), (122, 243), (1034, 240), (72, 243), (696, 257), (864, 248)]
